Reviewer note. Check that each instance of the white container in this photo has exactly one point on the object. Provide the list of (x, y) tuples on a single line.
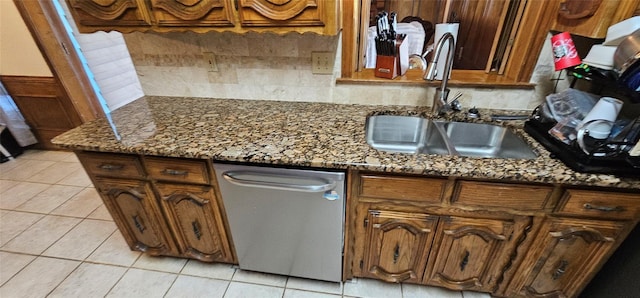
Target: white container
[(600, 56), (606, 109), (617, 32)]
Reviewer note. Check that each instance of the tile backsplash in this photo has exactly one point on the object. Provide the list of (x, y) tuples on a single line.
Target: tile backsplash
[(266, 66)]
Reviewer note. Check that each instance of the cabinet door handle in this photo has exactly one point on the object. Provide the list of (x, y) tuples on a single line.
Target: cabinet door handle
[(195, 225), (396, 253), (138, 223), (603, 208), (173, 172), (110, 167), (465, 260), (562, 267)]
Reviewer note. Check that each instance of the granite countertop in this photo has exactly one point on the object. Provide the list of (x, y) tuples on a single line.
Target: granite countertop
[(301, 134)]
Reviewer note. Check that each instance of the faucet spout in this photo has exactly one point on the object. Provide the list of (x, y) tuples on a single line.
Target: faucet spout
[(440, 104)]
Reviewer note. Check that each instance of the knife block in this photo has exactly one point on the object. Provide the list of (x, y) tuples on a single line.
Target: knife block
[(389, 67), (386, 67)]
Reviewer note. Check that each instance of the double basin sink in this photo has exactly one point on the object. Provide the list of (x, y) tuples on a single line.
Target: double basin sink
[(417, 135)]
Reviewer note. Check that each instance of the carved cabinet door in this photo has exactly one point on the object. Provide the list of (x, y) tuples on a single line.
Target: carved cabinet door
[(472, 253), (570, 252), (282, 12), (192, 12), (108, 13), (132, 205), (396, 245), (195, 219)]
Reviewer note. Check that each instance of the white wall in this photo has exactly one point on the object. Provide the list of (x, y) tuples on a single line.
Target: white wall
[(19, 54)]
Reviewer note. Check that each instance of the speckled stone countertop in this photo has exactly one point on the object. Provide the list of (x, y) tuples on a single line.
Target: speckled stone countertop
[(301, 134)]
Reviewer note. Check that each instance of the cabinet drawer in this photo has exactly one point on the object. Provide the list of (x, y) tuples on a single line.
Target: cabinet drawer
[(111, 165), (613, 205), (178, 169), (522, 197), (402, 188)]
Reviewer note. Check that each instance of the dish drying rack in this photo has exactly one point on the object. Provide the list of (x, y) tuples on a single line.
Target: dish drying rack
[(607, 157)]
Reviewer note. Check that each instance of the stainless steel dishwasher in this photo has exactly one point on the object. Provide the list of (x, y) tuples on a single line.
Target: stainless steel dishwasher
[(285, 221)]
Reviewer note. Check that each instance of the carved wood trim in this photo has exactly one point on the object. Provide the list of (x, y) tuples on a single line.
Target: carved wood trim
[(116, 192), (280, 10), (105, 11), (470, 283), (154, 251), (574, 10), (531, 292), (391, 225), (176, 198), (193, 12), (484, 233), (392, 277), (194, 253), (588, 234), (514, 253)]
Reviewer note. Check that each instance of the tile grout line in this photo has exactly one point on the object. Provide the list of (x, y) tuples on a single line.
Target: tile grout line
[(21, 269), (62, 281)]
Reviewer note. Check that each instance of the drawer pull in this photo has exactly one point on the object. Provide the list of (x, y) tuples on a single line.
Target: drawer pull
[(173, 172), (396, 253), (110, 167), (603, 208)]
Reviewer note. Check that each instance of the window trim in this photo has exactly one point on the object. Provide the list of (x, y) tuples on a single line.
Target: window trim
[(528, 42)]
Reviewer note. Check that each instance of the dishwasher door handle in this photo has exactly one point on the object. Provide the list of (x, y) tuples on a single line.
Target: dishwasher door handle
[(321, 186)]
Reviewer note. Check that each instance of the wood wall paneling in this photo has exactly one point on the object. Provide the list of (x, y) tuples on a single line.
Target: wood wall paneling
[(44, 105)]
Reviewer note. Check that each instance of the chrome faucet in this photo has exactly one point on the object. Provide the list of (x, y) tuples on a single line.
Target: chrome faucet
[(440, 104)]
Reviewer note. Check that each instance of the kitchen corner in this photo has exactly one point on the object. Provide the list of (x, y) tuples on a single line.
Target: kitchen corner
[(242, 154), (169, 147)]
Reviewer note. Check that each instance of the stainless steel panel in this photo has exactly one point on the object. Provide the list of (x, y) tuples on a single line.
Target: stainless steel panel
[(285, 221)]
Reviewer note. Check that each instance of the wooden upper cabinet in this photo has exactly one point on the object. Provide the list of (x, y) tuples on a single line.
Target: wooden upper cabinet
[(192, 12), (240, 16), (108, 13), (591, 18), (282, 12)]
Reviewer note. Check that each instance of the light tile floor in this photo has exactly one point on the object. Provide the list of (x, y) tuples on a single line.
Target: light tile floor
[(57, 240)]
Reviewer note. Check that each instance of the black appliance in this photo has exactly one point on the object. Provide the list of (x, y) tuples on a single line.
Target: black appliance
[(10, 144)]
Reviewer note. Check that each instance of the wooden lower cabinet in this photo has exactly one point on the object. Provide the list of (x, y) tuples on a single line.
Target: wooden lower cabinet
[(473, 253), (195, 219), (396, 244), (506, 239), (451, 251), (132, 205), (162, 206), (567, 255)]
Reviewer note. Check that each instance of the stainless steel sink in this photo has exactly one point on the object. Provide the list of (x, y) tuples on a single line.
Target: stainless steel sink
[(410, 134), (406, 134)]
